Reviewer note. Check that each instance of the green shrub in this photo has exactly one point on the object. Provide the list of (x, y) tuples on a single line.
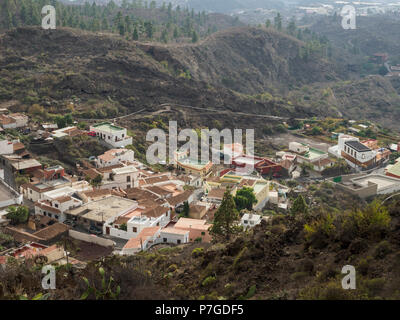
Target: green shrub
[(374, 286), (382, 249), (172, 268), (209, 281), (197, 252)]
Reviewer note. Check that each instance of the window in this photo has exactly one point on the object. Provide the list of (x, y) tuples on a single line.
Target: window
[(203, 233), (134, 229), (363, 156), (165, 239), (56, 205), (128, 179), (178, 241), (56, 217)]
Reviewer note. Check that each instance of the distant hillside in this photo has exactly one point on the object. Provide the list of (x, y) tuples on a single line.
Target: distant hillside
[(136, 20), (372, 34), (249, 60), (255, 70)]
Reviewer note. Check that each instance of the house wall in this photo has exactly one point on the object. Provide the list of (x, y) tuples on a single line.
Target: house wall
[(90, 238), (126, 156), (6, 147), (116, 139), (365, 192), (167, 237)]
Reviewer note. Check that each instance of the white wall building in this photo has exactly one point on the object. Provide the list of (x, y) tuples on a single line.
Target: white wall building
[(6, 147), (115, 156), (125, 178), (113, 135), (136, 220), (175, 236), (356, 154)]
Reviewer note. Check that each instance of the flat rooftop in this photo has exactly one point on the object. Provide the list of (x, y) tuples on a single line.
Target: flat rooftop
[(194, 163), (382, 181), (104, 209), (6, 193), (106, 126)]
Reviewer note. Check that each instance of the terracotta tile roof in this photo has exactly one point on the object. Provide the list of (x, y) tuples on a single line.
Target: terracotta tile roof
[(97, 193), (91, 173), (52, 231), (217, 193), (18, 146), (155, 212), (175, 231), (156, 179), (135, 243), (184, 196), (63, 199), (197, 208), (6, 120), (139, 194), (159, 190), (110, 168)]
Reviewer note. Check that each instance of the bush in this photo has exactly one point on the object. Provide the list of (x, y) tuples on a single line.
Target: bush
[(318, 232), (197, 252), (298, 275), (209, 281), (374, 286), (172, 268), (372, 222), (18, 215), (382, 249)]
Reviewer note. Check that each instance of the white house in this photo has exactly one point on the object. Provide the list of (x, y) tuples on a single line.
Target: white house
[(356, 154), (125, 177), (113, 135), (56, 208), (6, 147), (114, 156), (136, 220), (174, 235), (146, 238)]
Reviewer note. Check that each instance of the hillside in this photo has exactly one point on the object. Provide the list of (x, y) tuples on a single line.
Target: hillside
[(52, 68), (249, 60), (289, 257), (256, 70)]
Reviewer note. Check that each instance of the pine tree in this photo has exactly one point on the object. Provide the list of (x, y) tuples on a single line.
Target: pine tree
[(278, 22), (164, 36), (226, 218), (195, 37), (176, 32), (135, 35)]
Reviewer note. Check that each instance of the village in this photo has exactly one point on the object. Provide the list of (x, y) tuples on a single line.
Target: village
[(114, 204)]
